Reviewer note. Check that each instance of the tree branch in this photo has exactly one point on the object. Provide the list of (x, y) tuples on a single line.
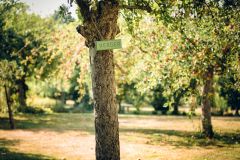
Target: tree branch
[(120, 68), (84, 6)]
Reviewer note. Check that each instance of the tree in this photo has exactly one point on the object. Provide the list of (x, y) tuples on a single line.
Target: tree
[(8, 69), (25, 42), (207, 35), (204, 45), (100, 23), (207, 31)]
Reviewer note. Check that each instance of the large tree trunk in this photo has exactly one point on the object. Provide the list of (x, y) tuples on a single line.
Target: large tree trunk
[(22, 89), (10, 114), (207, 95), (106, 118), (101, 24)]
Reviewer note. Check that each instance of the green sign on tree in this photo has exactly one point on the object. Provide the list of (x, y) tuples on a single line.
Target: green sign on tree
[(107, 45)]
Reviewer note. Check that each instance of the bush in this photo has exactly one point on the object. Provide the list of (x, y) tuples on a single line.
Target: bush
[(31, 110), (154, 112), (82, 108), (184, 113), (59, 108), (137, 112)]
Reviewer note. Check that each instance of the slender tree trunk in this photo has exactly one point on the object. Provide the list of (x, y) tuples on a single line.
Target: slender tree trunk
[(193, 104), (2, 100), (8, 100), (175, 107), (121, 108), (177, 97), (207, 103), (63, 97), (106, 117), (22, 89), (63, 94), (237, 111)]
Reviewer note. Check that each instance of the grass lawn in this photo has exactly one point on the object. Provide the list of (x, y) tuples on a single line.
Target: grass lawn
[(71, 136)]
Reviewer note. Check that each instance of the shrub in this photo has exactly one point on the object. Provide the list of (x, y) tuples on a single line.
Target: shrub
[(59, 108), (82, 107), (31, 110)]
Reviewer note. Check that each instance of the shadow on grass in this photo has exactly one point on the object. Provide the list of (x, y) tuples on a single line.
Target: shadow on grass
[(58, 122), (85, 123), (186, 139), (6, 154)]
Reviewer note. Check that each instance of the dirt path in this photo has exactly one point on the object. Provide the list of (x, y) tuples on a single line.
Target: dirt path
[(139, 141), (77, 146)]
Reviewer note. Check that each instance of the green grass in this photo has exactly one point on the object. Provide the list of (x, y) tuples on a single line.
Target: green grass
[(54, 122)]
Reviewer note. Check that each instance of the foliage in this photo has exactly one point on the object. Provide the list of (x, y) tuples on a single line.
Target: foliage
[(63, 15), (229, 92), (24, 45), (59, 108), (9, 73), (181, 41)]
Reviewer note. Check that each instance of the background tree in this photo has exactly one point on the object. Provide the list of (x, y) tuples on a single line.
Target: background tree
[(208, 53), (202, 44), (25, 44)]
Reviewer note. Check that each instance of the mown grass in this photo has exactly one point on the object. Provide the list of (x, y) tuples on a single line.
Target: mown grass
[(54, 122)]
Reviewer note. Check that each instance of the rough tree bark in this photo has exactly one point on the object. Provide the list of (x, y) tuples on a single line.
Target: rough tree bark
[(101, 24), (10, 114), (106, 118), (207, 95)]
